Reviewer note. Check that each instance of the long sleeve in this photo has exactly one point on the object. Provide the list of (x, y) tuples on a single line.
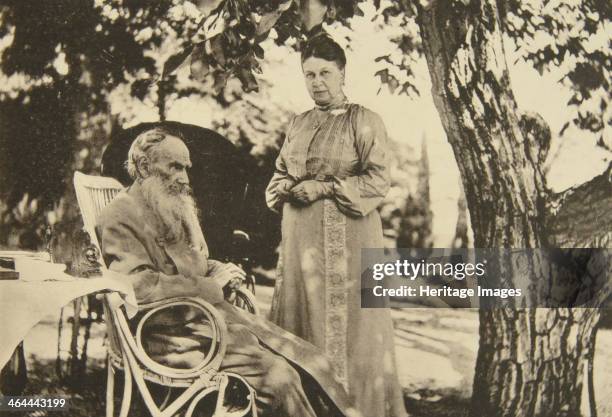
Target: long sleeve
[(280, 173), (360, 194), (124, 253)]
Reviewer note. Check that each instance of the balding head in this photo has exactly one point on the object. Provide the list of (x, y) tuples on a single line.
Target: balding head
[(150, 147)]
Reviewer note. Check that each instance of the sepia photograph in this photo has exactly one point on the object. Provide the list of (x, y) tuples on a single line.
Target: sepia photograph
[(306, 208)]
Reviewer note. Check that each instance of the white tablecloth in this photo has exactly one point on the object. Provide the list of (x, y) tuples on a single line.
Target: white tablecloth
[(24, 303)]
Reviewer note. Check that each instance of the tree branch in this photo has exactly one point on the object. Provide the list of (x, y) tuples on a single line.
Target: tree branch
[(580, 217)]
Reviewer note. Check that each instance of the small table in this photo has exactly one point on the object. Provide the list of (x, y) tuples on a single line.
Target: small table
[(25, 303)]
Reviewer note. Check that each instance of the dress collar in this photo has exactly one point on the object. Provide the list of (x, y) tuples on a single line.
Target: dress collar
[(333, 106)]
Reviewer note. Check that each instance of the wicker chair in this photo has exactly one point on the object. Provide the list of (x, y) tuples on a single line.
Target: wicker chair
[(125, 347)]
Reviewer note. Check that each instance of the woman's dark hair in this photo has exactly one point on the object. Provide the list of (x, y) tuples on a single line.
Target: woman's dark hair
[(324, 47)]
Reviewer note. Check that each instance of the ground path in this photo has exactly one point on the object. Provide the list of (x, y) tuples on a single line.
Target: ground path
[(436, 351)]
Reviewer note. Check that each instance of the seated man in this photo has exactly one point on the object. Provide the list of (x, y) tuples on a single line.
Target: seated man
[(151, 233)]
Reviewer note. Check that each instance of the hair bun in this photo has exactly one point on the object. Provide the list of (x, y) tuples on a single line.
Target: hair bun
[(322, 45)]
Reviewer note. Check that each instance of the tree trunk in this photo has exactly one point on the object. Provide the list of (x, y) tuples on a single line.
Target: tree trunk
[(530, 361)]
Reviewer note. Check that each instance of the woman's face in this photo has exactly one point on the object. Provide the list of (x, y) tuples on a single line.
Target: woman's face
[(324, 80)]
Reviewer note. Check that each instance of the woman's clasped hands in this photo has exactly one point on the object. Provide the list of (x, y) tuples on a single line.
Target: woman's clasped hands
[(284, 187), (304, 192)]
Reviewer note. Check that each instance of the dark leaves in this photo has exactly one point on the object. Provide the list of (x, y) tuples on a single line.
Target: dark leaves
[(140, 88), (409, 89), (564, 128), (176, 61), (383, 74), (567, 35), (269, 17), (602, 143), (589, 121), (217, 49), (235, 48), (220, 79), (200, 66), (247, 79), (393, 83), (258, 50), (588, 75), (385, 58)]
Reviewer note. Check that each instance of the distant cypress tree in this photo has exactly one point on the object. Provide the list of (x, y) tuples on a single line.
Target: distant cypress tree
[(461, 239), (416, 225)]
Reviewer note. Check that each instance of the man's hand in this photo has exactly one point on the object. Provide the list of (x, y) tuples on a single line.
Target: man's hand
[(228, 274), (309, 191)]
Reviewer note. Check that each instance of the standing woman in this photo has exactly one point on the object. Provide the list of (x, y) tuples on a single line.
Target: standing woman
[(331, 174)]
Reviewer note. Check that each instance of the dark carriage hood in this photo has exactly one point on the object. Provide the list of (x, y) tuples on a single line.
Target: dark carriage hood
[(218, 178)]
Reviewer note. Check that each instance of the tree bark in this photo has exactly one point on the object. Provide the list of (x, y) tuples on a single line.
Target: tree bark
[(581, 216), (530, 361)]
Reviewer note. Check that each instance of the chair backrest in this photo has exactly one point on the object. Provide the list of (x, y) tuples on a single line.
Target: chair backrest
[(93, 194)]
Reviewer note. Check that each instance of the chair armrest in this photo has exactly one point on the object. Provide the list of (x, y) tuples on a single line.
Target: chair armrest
[(132, 343), (245, 300)]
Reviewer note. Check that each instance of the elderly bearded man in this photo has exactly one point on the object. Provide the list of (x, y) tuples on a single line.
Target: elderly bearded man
[(150, 232)]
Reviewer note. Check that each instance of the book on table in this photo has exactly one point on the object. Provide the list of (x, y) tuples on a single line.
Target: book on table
[(6, 273)]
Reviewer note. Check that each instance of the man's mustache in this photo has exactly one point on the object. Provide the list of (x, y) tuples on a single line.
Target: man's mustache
[(176, 188)]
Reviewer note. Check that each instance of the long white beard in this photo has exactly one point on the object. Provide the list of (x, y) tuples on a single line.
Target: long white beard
[(175, 208)]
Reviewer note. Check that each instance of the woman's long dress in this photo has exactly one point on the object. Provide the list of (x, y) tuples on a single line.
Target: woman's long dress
[(317, 294)]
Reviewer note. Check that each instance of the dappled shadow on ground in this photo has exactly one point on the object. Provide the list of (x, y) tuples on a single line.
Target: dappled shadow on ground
[(435, 351), (87, 396)]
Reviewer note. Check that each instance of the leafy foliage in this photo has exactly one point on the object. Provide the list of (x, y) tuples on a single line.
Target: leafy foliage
[(570, 35), (61, 62), (227, 42), (575, 36)]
